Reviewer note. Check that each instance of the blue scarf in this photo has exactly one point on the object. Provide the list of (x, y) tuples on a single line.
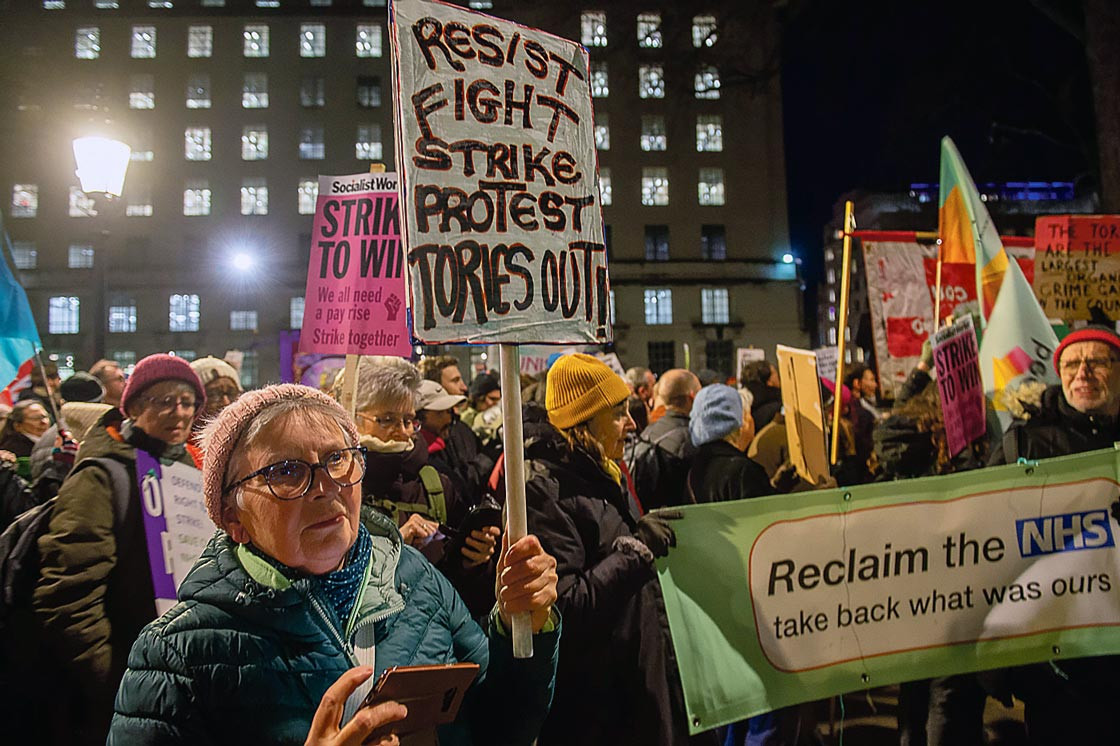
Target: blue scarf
[(341, 586)]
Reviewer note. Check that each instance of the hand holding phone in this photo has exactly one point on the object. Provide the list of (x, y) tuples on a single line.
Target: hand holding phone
[(432, 695), (325, 730)]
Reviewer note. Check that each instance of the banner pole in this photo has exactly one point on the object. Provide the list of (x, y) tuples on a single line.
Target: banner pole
[(514, 450), (937, 294), (842, 325)]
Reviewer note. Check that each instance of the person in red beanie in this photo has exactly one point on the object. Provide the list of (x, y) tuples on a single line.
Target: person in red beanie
[(94, 592), (1068, 701)]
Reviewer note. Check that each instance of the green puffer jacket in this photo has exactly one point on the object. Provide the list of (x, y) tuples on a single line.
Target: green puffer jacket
[(246, 655)]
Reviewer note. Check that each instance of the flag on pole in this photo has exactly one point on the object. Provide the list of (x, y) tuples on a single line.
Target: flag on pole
[(19, 339), (966, 230)]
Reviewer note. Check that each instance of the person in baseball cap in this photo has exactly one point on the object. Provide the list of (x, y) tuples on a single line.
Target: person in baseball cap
[(434, 410), (221, 381)]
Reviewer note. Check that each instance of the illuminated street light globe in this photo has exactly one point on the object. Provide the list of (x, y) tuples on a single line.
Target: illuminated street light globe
[(243, 262), (102, 163)]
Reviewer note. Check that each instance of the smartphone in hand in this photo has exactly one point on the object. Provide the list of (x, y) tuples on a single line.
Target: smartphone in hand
[(432, 695)]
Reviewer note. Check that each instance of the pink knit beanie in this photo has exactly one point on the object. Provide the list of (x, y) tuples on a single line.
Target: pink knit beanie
[(233, 421), (161, 367)]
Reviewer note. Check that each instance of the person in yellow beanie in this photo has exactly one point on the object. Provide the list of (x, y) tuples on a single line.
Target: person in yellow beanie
[(615, 670)]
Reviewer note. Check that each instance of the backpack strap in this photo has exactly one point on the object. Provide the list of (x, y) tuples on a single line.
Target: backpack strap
[(433, 487)]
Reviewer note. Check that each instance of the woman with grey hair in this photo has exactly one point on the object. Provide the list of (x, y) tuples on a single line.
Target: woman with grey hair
[(401, 484), (274, 635)]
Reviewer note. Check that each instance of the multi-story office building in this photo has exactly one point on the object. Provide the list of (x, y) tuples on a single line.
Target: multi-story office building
[(234, 107)]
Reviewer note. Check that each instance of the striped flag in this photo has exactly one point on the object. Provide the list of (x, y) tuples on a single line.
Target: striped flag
[(967, 233), (19, 339)]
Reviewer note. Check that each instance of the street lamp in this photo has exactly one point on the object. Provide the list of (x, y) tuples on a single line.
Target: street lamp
[(102, 164)]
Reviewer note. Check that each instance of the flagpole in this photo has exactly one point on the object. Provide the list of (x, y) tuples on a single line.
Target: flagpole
[(846, 271), (937, 289)]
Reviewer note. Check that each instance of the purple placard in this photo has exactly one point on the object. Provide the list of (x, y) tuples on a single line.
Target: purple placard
[(148, 476), (961, 390)]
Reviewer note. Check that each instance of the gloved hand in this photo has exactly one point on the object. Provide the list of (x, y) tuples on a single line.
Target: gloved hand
[(785, 478), (654, 531)]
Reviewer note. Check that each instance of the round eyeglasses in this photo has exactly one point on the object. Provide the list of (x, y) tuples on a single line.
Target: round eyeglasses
[(292, 478)]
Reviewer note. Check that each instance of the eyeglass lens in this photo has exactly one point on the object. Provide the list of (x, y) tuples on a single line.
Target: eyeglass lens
[(288, 480)]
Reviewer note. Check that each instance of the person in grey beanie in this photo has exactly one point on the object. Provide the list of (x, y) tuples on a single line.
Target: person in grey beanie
[(721, 432)]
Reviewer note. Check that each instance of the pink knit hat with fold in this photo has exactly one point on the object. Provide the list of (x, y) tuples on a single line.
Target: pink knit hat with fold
[(233, 421), (161, 367)]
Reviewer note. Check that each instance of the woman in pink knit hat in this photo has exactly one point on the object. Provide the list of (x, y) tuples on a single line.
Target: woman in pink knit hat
[(297, 603)]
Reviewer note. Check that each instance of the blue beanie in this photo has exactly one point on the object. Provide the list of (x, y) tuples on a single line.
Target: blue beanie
[(717, 412)]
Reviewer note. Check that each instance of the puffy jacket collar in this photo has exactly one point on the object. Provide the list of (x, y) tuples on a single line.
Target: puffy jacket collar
[(229, 577)]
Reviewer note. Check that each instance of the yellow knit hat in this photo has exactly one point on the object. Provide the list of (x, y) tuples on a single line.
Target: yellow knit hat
[(579, 387)]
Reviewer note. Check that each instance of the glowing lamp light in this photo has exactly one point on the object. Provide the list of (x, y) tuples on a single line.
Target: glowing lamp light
[(243, 262), (787, 258), (102, 163)]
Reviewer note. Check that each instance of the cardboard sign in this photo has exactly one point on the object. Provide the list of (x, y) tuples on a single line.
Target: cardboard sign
[(774, 601), (1077, 265), (355, 294), (826, 363), (499, 184), (801, 397), (957, 360), (176, 524)]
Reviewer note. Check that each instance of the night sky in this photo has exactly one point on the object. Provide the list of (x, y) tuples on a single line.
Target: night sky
[(870, 87)]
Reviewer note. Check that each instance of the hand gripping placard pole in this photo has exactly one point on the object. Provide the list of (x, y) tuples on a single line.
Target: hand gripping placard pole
[(514, 450)]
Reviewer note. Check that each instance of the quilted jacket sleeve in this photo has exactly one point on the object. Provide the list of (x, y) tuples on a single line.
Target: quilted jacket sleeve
[(156, 703)]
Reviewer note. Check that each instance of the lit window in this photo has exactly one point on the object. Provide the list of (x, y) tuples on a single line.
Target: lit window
[(659, 306), (311, 145), (54, 4), (143, 42), (196, 198), (711, 186), (613, 311), (254, 143), (593, 28), (713, 242), (713, 306), (367, 41), (832, 335), (254, 91), (197, 143), (267, 3), (106, 4), (187, 355), (602, 131), (600, 81), (87, 43), (832, 313), (25, 200), (250, 369), (160, 4), (320, 3), (25, 254), (141, 145), (653, 132), (65, 363), (183, 313), (707, 82), (476, 4), (200, 41), (243, 321), (312, 92), (312, 40), (127, 358), (122, 318), (213, 3), (256, 41), (308, 193), (649, 30), (198, 91), (651, 81), (139, 202), (704, 31), (81, 204), (295, 312), (369, 91), (63, 313), (604, 186), (80, 256), (254, 197), (655, 186), (367, 147), (142, 92), (657, 243), (709, 133)]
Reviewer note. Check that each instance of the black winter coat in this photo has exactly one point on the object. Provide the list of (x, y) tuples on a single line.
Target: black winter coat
[(659, 462), (465, 462), (721, 472), (617, 680), (1057, 429)]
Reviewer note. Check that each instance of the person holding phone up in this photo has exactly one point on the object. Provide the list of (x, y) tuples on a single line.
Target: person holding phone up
[(296, 603)]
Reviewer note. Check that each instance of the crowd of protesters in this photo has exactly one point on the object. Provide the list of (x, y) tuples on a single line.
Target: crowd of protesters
[(395, 554)]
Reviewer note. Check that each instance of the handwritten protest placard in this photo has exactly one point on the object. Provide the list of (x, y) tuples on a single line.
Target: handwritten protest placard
[(354, 303), (176, 524), (1077, 265), (499, 191), (957, 360), (744, 355)]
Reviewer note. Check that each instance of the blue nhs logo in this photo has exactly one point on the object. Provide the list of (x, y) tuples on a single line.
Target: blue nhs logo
[(1066, 532)]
